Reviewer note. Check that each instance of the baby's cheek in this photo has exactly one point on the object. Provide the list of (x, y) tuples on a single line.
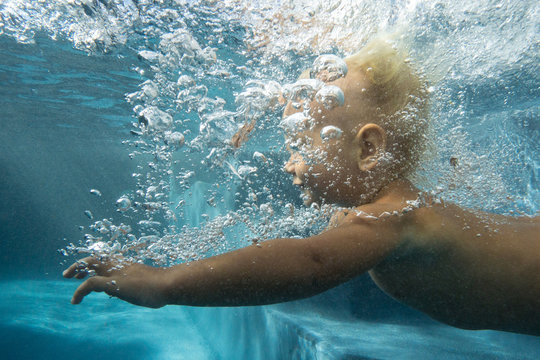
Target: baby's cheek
[(315, 159)]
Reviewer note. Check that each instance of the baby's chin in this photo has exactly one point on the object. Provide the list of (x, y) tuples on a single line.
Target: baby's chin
[(308, 197)]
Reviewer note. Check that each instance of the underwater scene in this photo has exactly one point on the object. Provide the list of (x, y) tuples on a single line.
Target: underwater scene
[(165, 133)]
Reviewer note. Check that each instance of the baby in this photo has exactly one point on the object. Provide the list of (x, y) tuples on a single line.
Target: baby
[(465, 268)]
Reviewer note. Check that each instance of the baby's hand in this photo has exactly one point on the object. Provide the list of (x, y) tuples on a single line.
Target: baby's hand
[(135, 283)]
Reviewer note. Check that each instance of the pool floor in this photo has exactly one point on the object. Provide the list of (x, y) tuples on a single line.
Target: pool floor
[(39, 323)]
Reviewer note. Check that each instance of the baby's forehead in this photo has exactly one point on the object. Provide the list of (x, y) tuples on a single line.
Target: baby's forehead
[(355, 81), (356, 100)]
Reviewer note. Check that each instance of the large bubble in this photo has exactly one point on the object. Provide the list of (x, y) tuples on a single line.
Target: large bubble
[(294, 123), (330, 96), (155, 119), (175, 139), (302, 92), (328, 68), (330, 132)]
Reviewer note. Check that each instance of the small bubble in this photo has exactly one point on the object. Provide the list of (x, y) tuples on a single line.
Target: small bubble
[(259, 156), (95, 192), (244, 170), (123, 204), (267, 210), (290, 207), (89, 214), (98, 246), (252, 197), (180, 203), (175, 139), (185, 81)]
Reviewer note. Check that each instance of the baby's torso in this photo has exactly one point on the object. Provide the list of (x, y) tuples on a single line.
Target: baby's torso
[(462, 271)]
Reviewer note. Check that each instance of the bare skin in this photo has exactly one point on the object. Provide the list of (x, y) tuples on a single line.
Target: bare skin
[(468, 269)]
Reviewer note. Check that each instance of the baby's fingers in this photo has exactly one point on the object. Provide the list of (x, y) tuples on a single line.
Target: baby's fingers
[(80, 269), (75, 268), (95, 283)]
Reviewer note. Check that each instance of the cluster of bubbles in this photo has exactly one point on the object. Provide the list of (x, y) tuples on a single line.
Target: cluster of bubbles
[(182, 141), (301, 95), (210, 76)]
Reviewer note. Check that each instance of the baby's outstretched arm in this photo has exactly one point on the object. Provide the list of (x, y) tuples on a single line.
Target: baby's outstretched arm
[(274, 271), (135, 283)]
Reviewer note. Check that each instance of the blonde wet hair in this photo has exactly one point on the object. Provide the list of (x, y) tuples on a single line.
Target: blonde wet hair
[(400, 96)]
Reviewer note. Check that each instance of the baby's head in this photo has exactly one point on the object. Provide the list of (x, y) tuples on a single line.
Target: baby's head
[(346, 154)]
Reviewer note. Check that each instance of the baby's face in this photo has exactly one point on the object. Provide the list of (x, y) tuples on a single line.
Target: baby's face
[(318, 160), (324, 148)]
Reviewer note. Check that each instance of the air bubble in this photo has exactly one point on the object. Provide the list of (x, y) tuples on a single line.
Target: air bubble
[(266, 210), (330, 132), (155, 119), (328, 67), (174, 139), (88, 214), (294, 123), (330, 96), (244, 170), (185, 81), (302, 91), (149, 91), (259, 156), (123, 204), (95, 192), (98, 246), (259, 96), (149, 55)]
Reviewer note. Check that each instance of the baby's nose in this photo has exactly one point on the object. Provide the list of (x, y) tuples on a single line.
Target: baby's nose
[(290, 165)]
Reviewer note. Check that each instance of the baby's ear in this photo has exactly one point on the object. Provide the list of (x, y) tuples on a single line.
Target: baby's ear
[(371, 141)]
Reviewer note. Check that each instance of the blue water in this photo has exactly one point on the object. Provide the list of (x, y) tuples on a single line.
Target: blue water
[(64, 118)]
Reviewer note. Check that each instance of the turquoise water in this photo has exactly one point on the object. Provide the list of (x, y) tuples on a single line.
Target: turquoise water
[(75, 77)]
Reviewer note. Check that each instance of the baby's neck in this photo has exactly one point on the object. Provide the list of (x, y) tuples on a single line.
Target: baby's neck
[(398, 191)]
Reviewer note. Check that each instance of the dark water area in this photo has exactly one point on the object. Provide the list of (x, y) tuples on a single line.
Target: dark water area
[(62, 117)]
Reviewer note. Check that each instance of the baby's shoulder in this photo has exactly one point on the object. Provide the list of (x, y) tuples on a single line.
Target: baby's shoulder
[(373, 214)]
